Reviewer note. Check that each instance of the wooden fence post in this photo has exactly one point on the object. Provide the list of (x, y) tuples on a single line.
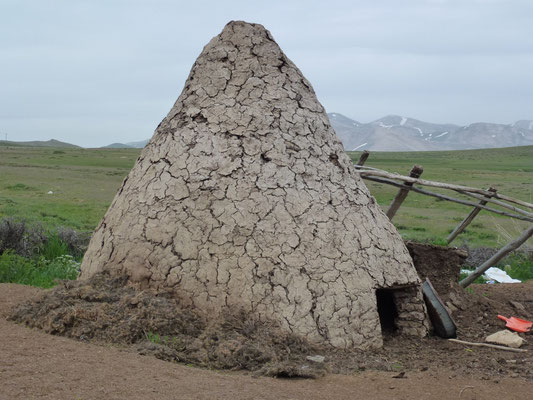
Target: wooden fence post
[(416, 171), (363, 157), (524, 216), (468, 219), (497, 257)]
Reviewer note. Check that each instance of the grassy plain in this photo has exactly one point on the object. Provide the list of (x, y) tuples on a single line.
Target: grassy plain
[(84, 181)]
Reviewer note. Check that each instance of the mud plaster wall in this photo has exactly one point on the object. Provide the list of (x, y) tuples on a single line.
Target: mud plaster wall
[(244, 197)]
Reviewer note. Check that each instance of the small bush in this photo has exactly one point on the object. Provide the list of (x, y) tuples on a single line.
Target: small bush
[(71, 239), (34, 240), (36, 272), (30, 255), (17, 236), (480, 279), (53, 248), (12, 235), (519, 266)]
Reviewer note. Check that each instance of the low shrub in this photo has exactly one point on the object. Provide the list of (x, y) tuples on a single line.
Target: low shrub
[(12, 235), (17, 236), (53, 247), (518, 266), (34, 241), (480, 279), (72, 239), (30, 255), (37, 272)]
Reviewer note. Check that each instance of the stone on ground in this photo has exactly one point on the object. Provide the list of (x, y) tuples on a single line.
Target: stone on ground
[(506, 338)]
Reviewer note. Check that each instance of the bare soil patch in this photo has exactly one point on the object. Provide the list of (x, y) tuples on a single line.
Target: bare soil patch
[(38, 365), (111, 356), (13, 294), (104, 310)]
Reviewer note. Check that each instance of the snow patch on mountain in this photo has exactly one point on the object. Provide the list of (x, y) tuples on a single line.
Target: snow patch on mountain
[(388, 134)]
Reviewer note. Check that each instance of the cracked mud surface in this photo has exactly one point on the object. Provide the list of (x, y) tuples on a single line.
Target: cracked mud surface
[(244, 198)]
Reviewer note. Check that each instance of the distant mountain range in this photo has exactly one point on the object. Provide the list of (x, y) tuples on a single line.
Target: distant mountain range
[(38, 143), (390, 133), (130, 145), (397, 133)]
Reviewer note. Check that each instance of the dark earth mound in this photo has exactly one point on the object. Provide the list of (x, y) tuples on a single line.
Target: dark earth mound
[(442, 265)]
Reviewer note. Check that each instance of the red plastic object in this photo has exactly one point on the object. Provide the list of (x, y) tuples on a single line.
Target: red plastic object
[(517, 324)]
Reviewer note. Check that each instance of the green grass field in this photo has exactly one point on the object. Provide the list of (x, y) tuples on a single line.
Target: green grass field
[(84, 181)]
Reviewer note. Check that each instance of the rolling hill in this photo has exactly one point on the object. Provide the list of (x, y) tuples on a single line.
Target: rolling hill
[(39, 143), (117, 146)]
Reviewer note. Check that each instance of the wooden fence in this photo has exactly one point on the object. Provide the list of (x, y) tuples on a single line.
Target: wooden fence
[(514, 208)]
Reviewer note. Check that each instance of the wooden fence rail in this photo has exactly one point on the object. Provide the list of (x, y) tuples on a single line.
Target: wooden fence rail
[(458, 188), (490, 195), (468, 219), (452, 199)]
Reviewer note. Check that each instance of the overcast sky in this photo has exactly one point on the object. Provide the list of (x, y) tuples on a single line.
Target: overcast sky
[(93, 72)]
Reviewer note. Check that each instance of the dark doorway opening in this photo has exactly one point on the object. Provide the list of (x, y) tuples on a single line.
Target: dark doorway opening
[(388, 313)]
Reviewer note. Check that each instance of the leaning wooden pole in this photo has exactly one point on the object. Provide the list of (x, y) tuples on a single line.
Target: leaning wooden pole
[(469, 218), (493, 346), (457, 188), (363, 158), (497, 257), (416, 171), (497, 202), (441, 196)]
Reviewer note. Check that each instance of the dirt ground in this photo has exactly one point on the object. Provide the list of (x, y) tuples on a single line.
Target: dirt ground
[(34, 364)]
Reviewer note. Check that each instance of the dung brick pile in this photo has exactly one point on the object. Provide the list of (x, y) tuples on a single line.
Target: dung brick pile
[(245, 199)]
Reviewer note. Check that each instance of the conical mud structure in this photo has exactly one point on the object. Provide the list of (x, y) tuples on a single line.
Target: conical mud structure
[(244, 198)]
